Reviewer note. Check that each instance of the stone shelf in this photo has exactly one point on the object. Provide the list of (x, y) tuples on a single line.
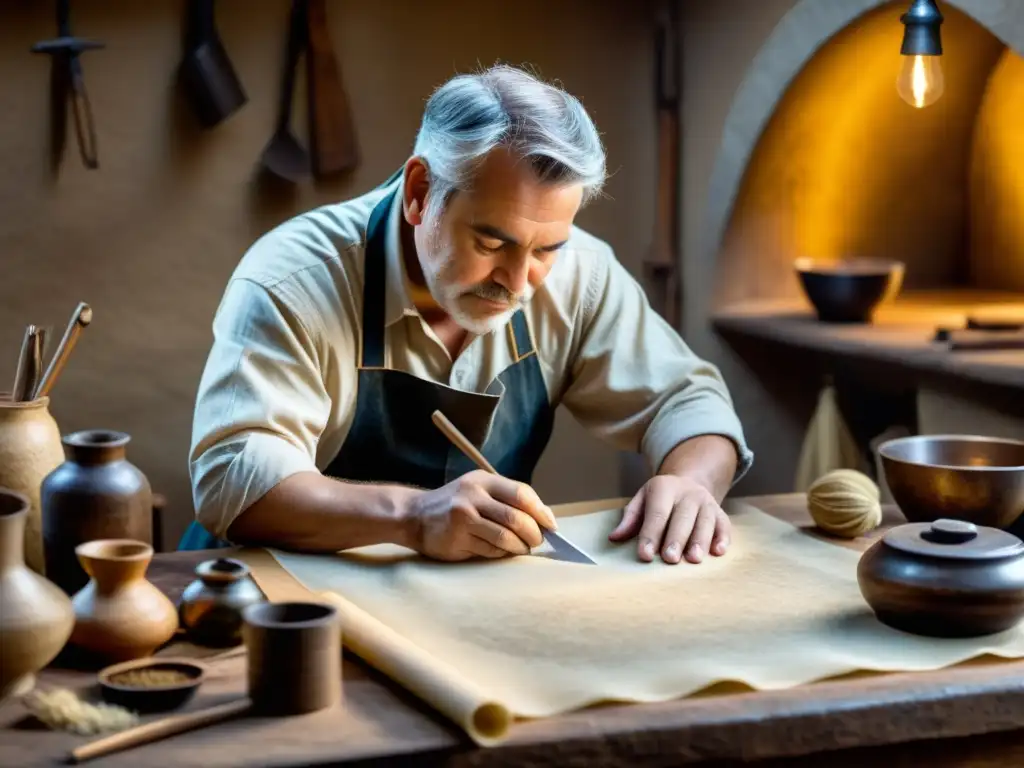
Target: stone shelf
[(902, 333)]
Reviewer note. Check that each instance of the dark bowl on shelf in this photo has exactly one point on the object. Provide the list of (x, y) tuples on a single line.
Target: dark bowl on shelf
[(849, 291), (118, 687), (963, 477)]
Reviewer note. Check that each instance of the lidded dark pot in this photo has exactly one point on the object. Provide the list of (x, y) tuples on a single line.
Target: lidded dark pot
[(95, 494), (946, 578), (211, 607)]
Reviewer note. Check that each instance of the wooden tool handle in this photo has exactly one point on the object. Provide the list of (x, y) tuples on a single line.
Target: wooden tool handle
[(19, 390), (159, 729), (662, 265), (461, 442), (982, 340), (332, 132), (35, 360), (81, 318)]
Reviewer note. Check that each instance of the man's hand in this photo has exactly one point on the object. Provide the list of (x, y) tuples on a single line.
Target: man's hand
[(478, 515), (675, 516)]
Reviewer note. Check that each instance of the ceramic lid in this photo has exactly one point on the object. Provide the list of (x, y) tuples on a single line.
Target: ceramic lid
[(954, 539), (221, 570)]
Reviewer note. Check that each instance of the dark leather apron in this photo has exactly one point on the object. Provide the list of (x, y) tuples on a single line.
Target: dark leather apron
[(392, 438)]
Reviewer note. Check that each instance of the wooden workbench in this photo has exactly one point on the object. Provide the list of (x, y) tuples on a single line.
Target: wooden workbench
[(969, 715)]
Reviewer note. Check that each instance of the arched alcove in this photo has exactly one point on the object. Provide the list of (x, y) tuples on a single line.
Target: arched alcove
[(820, 157), (845, 168)]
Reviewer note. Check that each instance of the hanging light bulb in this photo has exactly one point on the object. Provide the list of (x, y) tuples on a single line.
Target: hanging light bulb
[(920, 82)]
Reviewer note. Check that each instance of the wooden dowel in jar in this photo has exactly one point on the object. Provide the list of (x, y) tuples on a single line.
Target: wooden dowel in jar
[(20, 390), (81, 318)]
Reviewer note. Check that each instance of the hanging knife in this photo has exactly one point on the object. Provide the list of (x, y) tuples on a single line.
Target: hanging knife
[(69, 80)]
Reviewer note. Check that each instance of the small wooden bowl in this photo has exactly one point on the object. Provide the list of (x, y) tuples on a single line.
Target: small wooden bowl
[(148, 697)]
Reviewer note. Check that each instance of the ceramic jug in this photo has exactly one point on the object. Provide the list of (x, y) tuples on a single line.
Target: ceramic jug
[(119, 615), (95, 494), (211, 606), (29, 450), (35, 616)]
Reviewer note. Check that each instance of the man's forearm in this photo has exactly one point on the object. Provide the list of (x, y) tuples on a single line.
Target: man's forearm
[(710, 460), (314, 513)]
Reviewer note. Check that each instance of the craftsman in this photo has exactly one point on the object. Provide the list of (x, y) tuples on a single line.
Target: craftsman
[(461, 284)]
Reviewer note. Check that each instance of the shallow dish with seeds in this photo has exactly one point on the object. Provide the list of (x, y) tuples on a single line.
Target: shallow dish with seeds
[(151, 685)]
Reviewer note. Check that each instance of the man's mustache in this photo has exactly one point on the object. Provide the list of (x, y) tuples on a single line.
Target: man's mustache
[(492, 291)]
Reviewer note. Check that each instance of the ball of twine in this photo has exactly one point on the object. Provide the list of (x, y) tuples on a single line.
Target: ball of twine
[(845, 502)]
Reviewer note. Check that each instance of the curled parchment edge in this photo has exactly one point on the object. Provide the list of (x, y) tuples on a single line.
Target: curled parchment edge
[(438, 684)]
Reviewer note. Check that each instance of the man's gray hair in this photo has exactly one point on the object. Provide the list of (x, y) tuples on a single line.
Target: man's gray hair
[(503, 106)]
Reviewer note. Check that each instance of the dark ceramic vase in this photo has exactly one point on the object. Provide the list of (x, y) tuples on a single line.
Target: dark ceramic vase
[(95, 494)]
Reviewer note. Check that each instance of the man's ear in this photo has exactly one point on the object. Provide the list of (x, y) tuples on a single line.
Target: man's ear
[(415, 186)]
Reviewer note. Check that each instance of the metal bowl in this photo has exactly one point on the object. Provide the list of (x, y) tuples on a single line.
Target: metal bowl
[(850, 290), (963, 477)]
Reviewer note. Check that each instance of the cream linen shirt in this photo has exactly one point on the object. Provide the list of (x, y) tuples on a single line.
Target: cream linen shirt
[(278, 393)]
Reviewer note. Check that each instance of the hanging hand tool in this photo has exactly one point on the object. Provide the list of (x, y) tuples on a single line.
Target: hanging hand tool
[(67, 78), (207, 75), (284, 156), (332, 133), (661, 267)]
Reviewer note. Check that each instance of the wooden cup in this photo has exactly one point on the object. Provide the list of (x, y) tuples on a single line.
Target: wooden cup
[(294, 654)]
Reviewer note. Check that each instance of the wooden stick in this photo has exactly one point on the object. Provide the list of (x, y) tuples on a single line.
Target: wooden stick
[(461, 442), (20, 391), (159, 729), (35, 368), (81, 318)]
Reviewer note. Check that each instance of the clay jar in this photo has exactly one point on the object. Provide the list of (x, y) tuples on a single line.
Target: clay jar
[(35, 616), (211, 606), (947, 578), (29, 450), (95, 494), (119, 615)]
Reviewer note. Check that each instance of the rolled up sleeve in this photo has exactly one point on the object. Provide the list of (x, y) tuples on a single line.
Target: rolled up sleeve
[(635, 382), (261, 405)]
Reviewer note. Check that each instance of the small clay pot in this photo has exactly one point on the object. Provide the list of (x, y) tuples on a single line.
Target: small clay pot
[(119, 616), (947, 578), (211, 606), (294, 652), (95, 494), (35, 616)]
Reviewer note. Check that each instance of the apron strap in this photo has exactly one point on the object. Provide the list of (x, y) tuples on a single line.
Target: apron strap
[(374, 295), (519, 336)]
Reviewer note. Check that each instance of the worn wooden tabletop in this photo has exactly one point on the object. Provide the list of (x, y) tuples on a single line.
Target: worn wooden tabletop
[(962, 716)]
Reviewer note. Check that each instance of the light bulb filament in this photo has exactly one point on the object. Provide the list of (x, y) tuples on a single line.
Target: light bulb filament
[(919, 80)]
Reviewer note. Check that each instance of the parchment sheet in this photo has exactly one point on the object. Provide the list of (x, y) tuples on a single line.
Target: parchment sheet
[(528, 637)]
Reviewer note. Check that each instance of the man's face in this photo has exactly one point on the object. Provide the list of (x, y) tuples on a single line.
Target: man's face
[(491, 247)]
